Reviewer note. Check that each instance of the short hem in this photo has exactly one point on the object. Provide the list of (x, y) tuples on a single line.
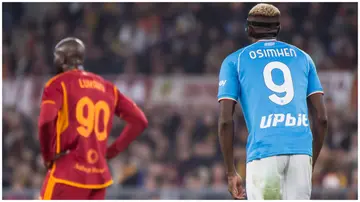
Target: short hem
[(278, 154)]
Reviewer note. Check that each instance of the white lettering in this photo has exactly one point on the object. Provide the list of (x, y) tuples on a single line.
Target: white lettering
[(260, 54), (263, 119), (290, 121), (305, 121), (272, 52), (278, 118), (252, 54), (222, 83), (274, 120), (287, 54), (299, 121), (293, 52), (281, 53)]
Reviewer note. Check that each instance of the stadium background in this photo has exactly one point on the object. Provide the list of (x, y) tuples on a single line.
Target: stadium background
[(166, 57)]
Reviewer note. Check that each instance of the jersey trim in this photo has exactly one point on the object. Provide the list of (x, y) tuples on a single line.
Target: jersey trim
[(50, 185), (227, 98), (267, 40), (116, 96), (48, 102), (238, 65), (51, 80), (316, 92), (63, 118), (84, 186)]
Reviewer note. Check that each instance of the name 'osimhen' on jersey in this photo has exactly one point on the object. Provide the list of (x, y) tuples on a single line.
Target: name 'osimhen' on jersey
[(272, 80)]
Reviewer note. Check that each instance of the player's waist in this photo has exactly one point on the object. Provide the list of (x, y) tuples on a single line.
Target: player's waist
[(265, 145), (82, 174), (85, 182), (255, 156)]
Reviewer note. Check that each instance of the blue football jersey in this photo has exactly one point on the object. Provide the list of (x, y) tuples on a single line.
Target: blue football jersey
[(272, 80)]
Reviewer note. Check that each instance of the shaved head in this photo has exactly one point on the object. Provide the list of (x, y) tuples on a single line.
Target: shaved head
[(69, 54)]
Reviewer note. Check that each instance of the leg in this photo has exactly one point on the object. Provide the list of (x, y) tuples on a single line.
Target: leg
[(97, 194), (298, 178), (264, 178)]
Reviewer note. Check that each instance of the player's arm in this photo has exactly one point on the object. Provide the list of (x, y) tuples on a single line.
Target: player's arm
[(51, 103), (227, 96), (136, 123), (317, 110)]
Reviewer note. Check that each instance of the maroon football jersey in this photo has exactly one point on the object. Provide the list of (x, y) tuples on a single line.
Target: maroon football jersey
[(87, 104)]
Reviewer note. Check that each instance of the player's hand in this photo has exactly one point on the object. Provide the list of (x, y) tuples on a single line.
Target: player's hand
[(235, 186), (48, 164)]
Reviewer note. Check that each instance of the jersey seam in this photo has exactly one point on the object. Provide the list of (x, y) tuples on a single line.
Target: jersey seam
[(238, 65)]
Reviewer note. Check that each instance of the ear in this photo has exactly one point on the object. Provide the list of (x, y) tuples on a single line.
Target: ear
[(250, 31), (278, 31), (59, 58)]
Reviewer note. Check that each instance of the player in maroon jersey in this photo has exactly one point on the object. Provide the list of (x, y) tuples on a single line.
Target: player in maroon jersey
[(75, 120)]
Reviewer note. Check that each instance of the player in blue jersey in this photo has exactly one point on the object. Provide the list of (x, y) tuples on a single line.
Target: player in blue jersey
[(277, 87)]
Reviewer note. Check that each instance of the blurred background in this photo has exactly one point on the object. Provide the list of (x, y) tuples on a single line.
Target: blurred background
[(166, 57)]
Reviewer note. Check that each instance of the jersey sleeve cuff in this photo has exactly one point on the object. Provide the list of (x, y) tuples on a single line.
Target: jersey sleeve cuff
[(316, 92), (48, 102), (226, 98)]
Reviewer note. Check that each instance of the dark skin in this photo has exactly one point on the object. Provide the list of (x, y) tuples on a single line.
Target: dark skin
[(226, 136), (318, 122), (69, 54), (318, 119)]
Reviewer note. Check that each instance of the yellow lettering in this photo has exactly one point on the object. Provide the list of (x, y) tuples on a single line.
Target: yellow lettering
[(85, 83), (89, 169), (81, 84)]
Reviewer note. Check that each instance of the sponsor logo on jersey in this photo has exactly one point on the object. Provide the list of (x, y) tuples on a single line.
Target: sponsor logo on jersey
[(222, 83), (274, 120)]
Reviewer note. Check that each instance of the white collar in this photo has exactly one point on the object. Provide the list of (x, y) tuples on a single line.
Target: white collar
[(267, 40)]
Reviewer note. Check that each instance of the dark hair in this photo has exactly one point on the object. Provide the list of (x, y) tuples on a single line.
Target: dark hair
[(262, 27)]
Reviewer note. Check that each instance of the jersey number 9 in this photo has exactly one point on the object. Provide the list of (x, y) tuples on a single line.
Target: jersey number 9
[(287, 87), (90, 122)]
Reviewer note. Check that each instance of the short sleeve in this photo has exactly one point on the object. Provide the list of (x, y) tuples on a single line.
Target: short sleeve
[(228, 81), (53, 94), (314, 85)]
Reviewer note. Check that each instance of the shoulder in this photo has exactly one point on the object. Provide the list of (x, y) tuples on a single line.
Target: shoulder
[(57, 79), (108, 84), (298, 50), (234, 56)]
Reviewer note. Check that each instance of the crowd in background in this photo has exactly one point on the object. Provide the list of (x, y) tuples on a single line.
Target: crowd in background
[(180, 148)]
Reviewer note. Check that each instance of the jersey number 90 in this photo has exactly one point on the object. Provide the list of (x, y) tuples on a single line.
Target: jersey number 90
[(90, 122), (287, 87)]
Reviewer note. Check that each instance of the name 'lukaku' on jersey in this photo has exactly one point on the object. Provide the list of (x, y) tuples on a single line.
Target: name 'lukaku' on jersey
[(271, 80)]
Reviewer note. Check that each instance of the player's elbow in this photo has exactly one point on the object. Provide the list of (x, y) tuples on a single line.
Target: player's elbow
[(322, 120), (143, 122), (225, 123)]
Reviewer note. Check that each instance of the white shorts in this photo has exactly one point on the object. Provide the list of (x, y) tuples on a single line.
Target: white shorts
[(286, 177)]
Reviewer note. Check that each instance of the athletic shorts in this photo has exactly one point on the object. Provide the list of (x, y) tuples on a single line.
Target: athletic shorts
[(286, 177), (57, 191)]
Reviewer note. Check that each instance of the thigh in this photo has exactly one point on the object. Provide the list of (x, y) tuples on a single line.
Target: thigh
[(66, 192), (297, 184), (264, 178), (97, 194)]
